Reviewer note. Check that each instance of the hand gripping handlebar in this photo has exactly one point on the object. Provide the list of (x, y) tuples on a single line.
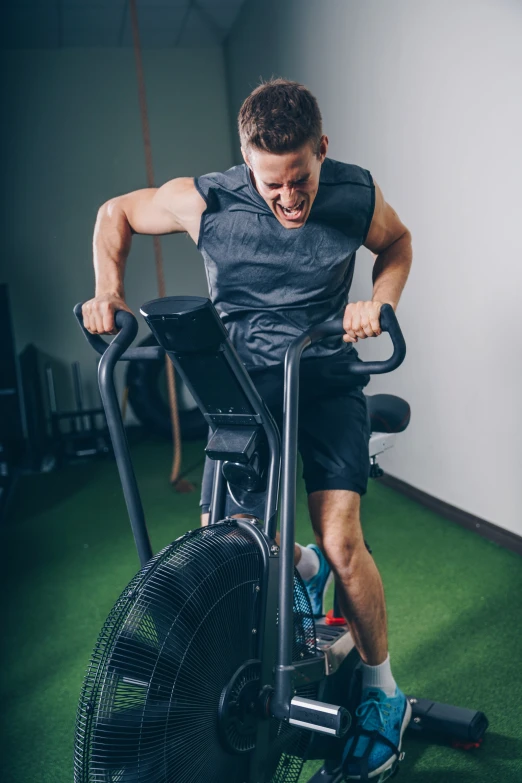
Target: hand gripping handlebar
[(389, 323), (128, 326), (120, 344)]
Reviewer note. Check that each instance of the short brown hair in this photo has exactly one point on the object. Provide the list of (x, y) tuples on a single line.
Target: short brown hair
[(280, 116)]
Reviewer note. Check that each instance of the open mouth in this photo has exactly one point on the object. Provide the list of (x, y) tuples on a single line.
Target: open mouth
[(294, 213)]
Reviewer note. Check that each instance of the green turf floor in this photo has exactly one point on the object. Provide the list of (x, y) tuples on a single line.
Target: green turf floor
[(453, 602)]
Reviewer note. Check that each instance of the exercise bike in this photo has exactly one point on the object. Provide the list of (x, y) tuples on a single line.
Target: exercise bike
[(210, 667)]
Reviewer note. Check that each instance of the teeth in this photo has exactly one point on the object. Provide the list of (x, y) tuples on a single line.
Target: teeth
[(291, 211)]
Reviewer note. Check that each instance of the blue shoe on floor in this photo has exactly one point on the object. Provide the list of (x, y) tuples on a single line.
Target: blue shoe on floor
[(316, 586), (375, 748)]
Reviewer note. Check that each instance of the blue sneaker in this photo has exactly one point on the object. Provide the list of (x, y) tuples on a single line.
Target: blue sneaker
[(375, 748), (316, 586)]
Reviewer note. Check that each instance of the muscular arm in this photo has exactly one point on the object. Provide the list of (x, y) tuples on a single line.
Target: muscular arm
[(175, 207), (390, 241)]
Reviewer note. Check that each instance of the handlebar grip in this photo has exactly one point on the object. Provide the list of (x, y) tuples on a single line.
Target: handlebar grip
[(389, 323), (125, 322)]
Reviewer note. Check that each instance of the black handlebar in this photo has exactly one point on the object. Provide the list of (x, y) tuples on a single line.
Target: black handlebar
[(128, 326), (111, 353), (388, 322)]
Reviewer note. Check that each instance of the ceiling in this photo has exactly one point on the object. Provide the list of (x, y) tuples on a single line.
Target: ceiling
[(35, 24)]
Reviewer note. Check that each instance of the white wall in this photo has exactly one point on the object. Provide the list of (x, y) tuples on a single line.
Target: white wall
[(427, 96), (73, 139)]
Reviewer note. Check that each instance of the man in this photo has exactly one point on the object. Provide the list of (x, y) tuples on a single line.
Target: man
[(278, 236)]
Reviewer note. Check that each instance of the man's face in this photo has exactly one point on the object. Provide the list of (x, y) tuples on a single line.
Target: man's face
[(288, 181)]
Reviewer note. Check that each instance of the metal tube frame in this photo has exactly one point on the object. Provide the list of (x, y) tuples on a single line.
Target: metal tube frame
[(278, 564), (108, 361), (284, 670), (287, 459), (274, 447)]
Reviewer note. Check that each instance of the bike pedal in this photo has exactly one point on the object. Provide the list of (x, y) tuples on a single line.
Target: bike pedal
[(319, 716)]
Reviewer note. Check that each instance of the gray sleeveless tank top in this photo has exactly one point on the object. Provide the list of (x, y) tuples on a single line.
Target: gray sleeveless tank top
[(269, 283)]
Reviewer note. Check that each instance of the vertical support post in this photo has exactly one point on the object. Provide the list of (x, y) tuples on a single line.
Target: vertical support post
[(219, 489), (284, 668), (121, 450)]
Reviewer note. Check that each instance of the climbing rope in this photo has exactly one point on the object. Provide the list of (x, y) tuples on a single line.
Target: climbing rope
[(180, 484)]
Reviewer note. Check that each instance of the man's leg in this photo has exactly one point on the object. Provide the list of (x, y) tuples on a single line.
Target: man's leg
[(335, 516), (384, 712)]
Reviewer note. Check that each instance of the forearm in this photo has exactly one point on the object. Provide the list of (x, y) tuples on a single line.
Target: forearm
[(111, 246), (391, 270)]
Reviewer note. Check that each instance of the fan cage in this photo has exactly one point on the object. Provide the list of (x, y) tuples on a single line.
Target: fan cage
[(128, 620)]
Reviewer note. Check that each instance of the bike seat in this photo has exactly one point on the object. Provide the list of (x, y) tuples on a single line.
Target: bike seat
[(388, 413)]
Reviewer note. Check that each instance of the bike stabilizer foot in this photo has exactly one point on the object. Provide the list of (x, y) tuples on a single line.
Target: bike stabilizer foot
[(456, 723)]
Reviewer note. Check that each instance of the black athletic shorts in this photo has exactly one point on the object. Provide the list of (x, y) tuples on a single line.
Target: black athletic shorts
[(334, 424)]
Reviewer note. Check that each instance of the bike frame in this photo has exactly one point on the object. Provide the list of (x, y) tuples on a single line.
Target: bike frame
[(275, 638)]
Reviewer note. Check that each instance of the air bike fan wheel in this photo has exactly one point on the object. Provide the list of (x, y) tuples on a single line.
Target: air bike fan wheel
[(171, 689)]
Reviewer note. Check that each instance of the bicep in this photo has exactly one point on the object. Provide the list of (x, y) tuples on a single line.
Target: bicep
[(386, 226), (164, 210)]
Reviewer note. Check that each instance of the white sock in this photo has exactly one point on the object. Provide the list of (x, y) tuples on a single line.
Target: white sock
[(379, 677), (308, 565)]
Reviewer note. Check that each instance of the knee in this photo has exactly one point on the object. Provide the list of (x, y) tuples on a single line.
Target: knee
[(344, 551)]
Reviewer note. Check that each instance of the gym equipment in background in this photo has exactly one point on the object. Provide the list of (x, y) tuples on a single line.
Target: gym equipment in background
[(38, 444), (80, 433), (12, 444), (210, 667)]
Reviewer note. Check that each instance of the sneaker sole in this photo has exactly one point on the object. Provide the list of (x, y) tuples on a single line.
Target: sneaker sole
[(394, 759)]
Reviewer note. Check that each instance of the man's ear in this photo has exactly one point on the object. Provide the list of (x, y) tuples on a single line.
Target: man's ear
[(323, 147), (245, 156)]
